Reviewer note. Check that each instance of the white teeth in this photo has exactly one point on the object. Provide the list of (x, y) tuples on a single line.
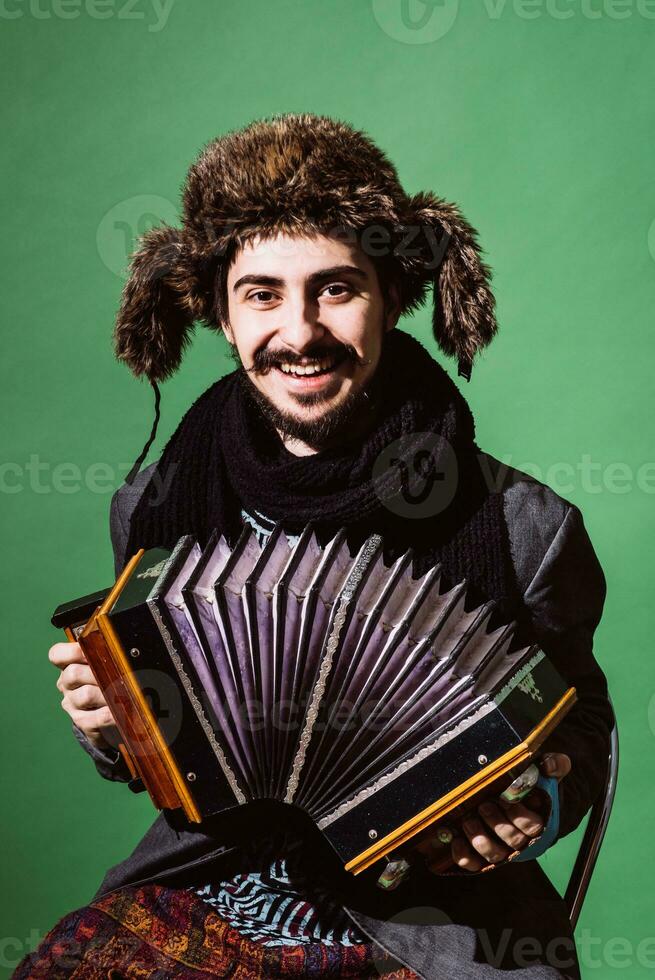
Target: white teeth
[(302, 369)]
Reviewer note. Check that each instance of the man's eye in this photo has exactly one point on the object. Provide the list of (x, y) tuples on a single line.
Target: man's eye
[(265, 293), (338, 285)]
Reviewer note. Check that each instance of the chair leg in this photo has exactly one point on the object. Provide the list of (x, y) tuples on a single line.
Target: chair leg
[(599, 815)]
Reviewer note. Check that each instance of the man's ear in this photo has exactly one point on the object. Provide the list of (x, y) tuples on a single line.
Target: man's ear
[(391, 307)]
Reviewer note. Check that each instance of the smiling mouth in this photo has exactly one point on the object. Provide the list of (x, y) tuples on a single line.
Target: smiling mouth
[(313, 370)]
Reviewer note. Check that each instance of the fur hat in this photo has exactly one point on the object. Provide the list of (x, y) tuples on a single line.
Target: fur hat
[(299, 174)]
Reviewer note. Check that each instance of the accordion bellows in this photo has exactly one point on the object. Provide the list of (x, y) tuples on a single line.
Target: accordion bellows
[(376, 702)]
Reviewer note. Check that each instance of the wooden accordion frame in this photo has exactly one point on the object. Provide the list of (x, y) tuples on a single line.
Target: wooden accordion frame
[(375, 701)]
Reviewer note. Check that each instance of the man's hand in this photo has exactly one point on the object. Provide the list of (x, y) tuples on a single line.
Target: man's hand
[(82, 698), (502, 828)]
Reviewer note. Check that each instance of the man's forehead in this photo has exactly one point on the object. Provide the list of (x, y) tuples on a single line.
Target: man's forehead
[(280, 254)]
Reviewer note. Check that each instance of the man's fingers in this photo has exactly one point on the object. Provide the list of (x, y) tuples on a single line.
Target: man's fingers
[(74, 676), (464, 856), (89, 720), (85, 698), (483, 842), (527, 821), (499, 822), (98, 726), (556, 764), (63, 654)]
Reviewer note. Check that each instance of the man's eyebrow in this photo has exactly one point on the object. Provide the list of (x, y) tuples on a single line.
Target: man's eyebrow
[(313, 279)]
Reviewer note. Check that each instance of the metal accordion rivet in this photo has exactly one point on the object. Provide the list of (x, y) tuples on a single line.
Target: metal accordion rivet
[(482, 759), (372, 834), (191, 776), (134, 652)]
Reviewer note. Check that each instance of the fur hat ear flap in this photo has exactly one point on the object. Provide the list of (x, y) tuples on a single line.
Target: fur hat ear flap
[(463, 319), (154, 321)]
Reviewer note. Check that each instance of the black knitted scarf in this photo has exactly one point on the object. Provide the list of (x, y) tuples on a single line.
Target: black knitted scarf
[(398, 481)]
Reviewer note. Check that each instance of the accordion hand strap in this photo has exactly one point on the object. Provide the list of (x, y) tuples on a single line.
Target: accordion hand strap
[(549, 834)]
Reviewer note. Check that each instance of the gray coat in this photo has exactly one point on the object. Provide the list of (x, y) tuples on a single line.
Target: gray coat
[(464, 926)]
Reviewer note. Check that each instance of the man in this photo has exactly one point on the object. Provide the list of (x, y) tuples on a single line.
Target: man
[(299, 243)]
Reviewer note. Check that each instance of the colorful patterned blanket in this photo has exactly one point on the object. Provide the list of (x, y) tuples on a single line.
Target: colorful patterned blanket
[(152, 932)]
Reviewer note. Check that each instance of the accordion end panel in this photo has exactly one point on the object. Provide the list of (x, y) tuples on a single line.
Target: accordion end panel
[(154, 759), (472, 765), (113, 660), (147, 755)]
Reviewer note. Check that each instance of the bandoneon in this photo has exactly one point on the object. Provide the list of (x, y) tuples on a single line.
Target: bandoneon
[(379, 703)]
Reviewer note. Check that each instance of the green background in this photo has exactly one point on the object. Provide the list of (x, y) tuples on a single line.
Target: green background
[(538, 123)]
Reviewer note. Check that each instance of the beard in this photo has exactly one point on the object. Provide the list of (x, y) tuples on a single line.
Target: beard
[(323, 428)]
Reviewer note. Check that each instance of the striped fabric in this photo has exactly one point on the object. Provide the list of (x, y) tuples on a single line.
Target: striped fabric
[(264, 526), (275, 904)]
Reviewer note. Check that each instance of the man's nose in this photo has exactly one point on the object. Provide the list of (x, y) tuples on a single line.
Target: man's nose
[(299, 324)]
